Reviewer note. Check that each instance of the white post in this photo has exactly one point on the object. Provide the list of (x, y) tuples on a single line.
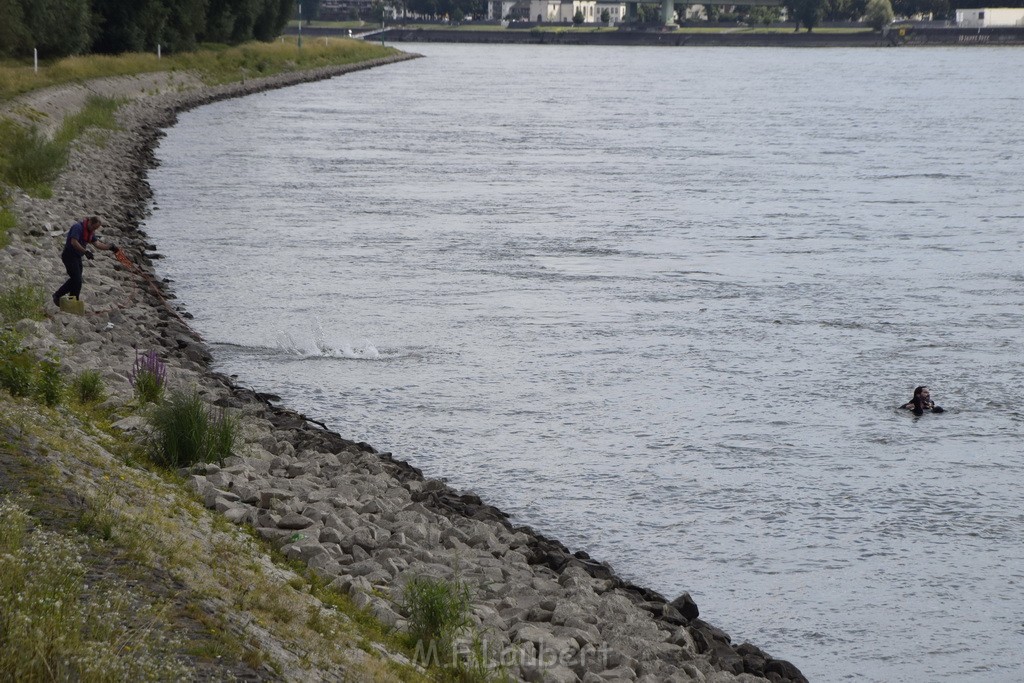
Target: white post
[(158, 54), (35, 60)]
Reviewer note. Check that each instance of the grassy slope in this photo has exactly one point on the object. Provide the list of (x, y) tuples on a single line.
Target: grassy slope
[(213, 63), (185, 581)]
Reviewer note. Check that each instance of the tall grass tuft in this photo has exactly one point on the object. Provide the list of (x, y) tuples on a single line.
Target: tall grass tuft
[(31, 161), (438, 612), (98, 112), (17, 365), (87, 387), (148, 376), (28, 159), (185, 432), (7, 219), (49, 382), (224, 430), (20, 302)]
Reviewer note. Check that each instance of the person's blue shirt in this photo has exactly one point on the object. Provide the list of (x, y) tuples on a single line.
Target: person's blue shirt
[(77, 232)]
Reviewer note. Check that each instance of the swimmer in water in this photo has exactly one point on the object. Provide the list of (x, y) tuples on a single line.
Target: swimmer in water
[(921, 402)]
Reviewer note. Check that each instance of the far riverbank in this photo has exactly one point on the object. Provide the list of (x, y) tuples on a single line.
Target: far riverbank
[(893, 36)]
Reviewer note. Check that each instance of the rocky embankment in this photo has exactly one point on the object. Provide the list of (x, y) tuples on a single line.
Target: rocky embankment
[(364, 520)]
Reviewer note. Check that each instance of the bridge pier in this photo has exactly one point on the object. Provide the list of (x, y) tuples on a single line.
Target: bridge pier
[(667, 10)]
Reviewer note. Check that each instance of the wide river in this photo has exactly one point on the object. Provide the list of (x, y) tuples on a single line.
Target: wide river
[(660, 303)]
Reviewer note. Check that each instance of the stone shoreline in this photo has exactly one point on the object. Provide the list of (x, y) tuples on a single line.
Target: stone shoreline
[(364, 520)]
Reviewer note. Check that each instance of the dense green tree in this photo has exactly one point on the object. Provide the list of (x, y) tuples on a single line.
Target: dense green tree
[(878, 14), (273, 17), (578, 17), (65, 27), (14, 36), (844, 10), (122, 25), (937, 8), (141, 25), (648, 14), (58, 27), (231, 21), (760, 14), (805, 12), (605, 16)]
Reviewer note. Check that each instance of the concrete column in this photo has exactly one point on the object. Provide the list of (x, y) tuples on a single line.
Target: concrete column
[(667, 10)]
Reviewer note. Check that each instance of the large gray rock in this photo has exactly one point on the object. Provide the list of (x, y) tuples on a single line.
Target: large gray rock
[(241, 515), (545, 673), (295, 521), (212, 494), (269, 496), (366, 568), (561, 647)]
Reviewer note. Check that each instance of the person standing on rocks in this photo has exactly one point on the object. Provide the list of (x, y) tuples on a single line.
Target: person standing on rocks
[(81, 234)]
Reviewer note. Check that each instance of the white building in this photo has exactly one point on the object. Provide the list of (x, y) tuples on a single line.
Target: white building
[(616, 11), (987, 17), (514, 9), (563, 11)]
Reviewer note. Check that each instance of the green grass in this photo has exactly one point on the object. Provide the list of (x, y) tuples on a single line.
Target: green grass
[(49, 382), (28, 159), (98, 112), (334, 24), (87, 387), (31, 161), (20, 302), (8, 221), (55, 627), (148, 387), (17, 366), (213, 63), (438, 613), (187, 432)]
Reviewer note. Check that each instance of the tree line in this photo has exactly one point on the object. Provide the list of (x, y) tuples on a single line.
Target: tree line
[(852, 10), (59, 28), (812, 12)]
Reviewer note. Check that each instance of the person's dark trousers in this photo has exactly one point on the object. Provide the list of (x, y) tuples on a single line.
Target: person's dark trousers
[(73, 263)]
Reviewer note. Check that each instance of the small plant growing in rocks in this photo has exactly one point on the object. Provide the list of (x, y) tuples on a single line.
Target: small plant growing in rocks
[(186, 432), (17, 366), (438, 612), (87, 387), (149, 374), (49, 382), (7, 218), (23, 301)]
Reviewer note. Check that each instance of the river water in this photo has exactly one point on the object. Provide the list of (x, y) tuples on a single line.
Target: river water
[(661, 304)]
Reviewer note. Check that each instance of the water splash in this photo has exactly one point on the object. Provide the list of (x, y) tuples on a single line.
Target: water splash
[(317, 345)]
